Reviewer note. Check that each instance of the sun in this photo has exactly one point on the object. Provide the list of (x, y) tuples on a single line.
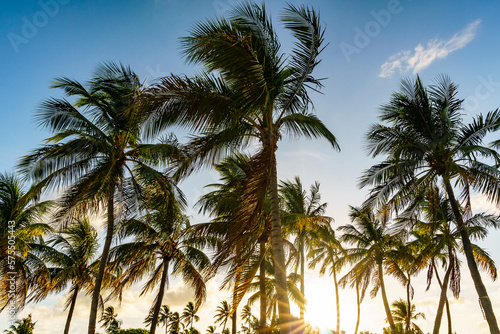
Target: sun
[(321, 307)]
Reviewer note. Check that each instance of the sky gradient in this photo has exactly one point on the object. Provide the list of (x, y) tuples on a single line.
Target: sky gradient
[(372, 46)]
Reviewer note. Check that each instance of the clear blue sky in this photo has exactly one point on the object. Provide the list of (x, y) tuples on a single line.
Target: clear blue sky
[(372, 45)]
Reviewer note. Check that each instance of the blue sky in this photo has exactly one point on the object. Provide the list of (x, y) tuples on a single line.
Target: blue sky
[(44, 39)]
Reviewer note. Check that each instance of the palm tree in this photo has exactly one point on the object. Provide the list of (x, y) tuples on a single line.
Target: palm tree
[(211, 330), (403, 314), (175, 323), (163, 317), (69, 256), (293, 289), (427, 142), (189, 314), (249, 250), (373, 248), (158, 244), (251, 93), (109, 321), (327, 251), (96, 151), (21, 232), (302, 216), (439, 241), (223, 312), (24, 326)]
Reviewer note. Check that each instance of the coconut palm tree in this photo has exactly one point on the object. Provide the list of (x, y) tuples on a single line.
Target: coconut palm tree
[(247, 318), (189, 314), (175, 323), (69, 256), (327, 251), (223, 312), (109, 321), (293, 289), (439, 241), (373, 245), (302, 216), (23, 326), (163, 317), (159, 245), (96, 150), (211, 330), (250, 93), (22, 230), (403, 314), (427, 142), (250, 249)]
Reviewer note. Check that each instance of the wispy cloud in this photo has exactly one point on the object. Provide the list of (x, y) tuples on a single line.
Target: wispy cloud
[(422, 56)]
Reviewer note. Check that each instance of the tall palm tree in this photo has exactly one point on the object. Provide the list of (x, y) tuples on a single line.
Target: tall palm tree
[(159, 245), (302, 216), (403, 314), (22, 231), (251, 93), (223, 312), (189, 315), (96, 150), (250, 248), (373, 245), (427, 142), (69, 256), (439, 241), (327, 251)]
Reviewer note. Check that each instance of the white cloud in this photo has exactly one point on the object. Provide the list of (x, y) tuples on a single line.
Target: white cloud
[(422, 56)]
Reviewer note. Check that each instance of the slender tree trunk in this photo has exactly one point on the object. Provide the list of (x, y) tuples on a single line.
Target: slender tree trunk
[(102, 264), (448, 315), (446, 303), (337, 301), (262, 289), (159, 297), (358, 302), (484, 299), (285, 317), (233, 323), (384, 299), (71, 309), (302, 284), (408, 298), (442, 297)]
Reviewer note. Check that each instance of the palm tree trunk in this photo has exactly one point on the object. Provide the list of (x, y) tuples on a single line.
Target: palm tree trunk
[(337, 301), (233, 323), (358, 302), (302, 284), (408, 298), (285, 317), (262, 289), (484, 299), (446, 303), (102, 264), (444, 287), (71, 309), (384, 299), (159, 297)]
